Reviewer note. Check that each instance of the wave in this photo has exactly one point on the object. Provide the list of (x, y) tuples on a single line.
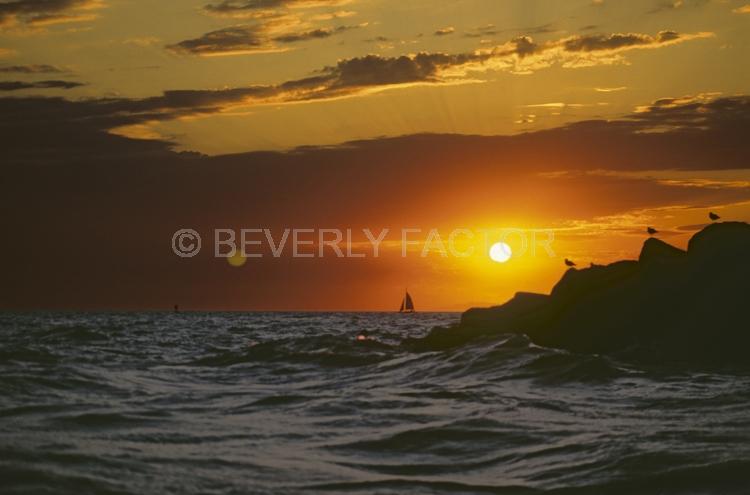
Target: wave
[(76, 334), (562, 367), (398, 486), (28, 355), (208, 403), (110, 419), (326, 350)]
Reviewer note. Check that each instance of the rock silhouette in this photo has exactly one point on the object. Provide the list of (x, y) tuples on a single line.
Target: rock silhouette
[(669, 304)]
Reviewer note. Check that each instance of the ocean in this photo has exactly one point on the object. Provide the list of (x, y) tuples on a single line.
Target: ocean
[(286, 403)]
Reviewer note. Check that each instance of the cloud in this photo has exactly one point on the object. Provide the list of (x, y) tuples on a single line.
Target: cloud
[(272, 23), (110, 186), (233, 40), (490, 30), (689, 133), (86, 182), (348, 77), (318, 33), (482, 31), (665, 6), (542, 29), (524, 55), (574, 51), (264, 8), (619, 42), (445, 31), (328, 16), (599, 49), (671, 5), (561, 105), (40, 13), (373, 71), (745, 9), (256, 38), (142, 42), (32, 69), (378, 39), (611, 90), (695, 113), (53, 84)]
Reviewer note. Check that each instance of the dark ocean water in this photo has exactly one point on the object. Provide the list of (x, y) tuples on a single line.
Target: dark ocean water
[(156, 403)]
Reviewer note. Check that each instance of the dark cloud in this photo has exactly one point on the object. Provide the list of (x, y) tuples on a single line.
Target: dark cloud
[(241, 8), (525, 46), (374, 70), (491, 30), (257, 38), (53, 84), (313, 34), (227, 40), (613, 42), (345, 78), (482, 31), (693, 133), (729, 116), (445, 31), (541, 29), (32, 69), (377, 39), (665, 36), (672, 5), (235, 5), (42, 12)]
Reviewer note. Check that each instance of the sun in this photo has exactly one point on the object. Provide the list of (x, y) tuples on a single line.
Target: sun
[(500, 252)]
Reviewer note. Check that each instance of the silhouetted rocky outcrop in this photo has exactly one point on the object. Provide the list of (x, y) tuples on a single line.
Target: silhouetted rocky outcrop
[(670, 303)]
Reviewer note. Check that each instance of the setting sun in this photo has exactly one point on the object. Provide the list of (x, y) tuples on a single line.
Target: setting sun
[(500, 252)]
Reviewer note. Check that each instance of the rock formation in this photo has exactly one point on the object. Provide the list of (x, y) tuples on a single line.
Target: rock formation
[(671, 303)]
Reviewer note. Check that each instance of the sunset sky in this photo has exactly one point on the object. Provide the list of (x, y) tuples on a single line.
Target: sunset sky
[(124, 121)]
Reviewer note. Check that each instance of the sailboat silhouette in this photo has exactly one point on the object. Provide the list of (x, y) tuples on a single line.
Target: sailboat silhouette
[(407, 305)]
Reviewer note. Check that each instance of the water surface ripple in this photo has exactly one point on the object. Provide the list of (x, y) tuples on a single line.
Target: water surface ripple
[(224, 403)]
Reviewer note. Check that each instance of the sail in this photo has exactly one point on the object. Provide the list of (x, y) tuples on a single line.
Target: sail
[(408, 303)]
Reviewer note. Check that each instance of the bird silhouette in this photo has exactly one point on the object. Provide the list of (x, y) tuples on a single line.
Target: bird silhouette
[(652, 231), (713, 216), (569, 263)]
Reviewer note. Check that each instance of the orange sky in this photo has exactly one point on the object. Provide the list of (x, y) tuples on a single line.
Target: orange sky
[(589, 120)]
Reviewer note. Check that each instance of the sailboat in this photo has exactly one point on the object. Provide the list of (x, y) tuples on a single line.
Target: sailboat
[(407, 305)]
